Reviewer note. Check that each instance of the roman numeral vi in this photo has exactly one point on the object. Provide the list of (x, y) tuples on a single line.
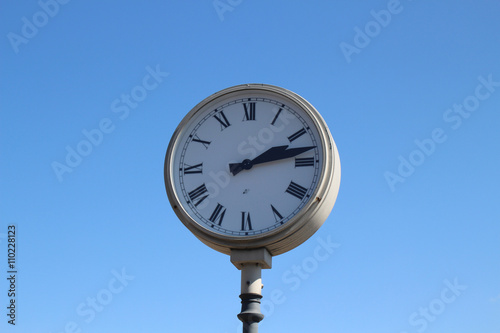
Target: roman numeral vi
[(246, 222)]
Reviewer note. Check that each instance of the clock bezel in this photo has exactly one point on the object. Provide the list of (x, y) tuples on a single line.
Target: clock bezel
[(301, 226)]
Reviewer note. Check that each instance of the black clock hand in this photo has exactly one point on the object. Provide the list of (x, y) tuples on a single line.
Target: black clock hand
[(272, 154)]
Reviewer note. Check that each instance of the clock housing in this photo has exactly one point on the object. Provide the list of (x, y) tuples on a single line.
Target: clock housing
[(252, 166)]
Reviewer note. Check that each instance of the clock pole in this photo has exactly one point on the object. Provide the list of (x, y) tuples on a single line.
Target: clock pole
[(251, 263)]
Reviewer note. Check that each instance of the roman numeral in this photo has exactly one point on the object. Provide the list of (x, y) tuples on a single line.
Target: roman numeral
[(303, 162), (190, 169), (246, 222), (203, 142), (296, 190), (218, 214), (297, 134), (276, 116), (221, 118), (277, 215), (198, 192), (249, 111)]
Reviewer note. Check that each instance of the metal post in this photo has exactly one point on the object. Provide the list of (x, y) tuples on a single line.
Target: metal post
[(251, 285), (251, 263)]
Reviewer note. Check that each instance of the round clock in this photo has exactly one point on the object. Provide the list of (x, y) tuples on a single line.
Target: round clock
[(252, 166)]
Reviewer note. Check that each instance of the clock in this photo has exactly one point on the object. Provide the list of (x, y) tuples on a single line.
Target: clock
[(252, 166)]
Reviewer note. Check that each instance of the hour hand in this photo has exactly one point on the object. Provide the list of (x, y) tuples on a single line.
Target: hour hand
[(272, 154)]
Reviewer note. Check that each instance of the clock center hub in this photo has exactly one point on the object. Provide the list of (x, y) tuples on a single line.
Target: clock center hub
[(247, 164)]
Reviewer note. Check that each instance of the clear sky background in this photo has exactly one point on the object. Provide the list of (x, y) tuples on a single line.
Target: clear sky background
[(409, 89)]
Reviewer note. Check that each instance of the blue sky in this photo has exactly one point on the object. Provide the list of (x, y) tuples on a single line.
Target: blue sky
[(410, 91)]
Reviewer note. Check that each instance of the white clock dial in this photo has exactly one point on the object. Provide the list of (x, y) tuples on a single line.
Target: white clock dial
[(243, 165), (254, 200)]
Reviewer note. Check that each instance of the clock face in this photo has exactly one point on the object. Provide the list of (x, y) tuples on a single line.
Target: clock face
[(243, 164)]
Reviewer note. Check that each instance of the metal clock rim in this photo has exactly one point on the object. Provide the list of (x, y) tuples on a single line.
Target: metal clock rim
[(281, 239)]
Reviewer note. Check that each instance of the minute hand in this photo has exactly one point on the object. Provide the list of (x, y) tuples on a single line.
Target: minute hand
[(272, 154)]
